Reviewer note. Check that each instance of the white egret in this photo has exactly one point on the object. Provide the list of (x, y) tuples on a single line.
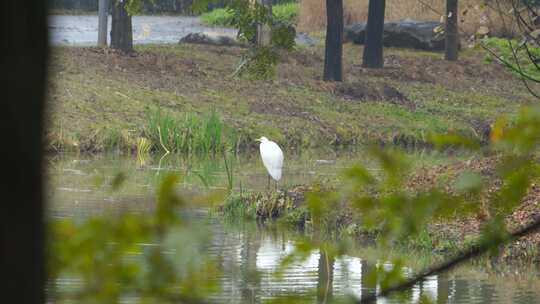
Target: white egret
[(272, 157)]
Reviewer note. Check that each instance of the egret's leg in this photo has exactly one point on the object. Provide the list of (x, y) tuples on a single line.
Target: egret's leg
[(268, 183)]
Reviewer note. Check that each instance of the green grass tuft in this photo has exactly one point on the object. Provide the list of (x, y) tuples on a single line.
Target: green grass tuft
[(237, 208), (285, 12), (217, 17), (188, 133)]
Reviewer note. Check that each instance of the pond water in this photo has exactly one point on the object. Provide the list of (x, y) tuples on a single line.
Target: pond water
[(82, 30), (79, 187)]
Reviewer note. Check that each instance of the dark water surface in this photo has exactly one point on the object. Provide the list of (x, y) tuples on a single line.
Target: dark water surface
[(79, 188)]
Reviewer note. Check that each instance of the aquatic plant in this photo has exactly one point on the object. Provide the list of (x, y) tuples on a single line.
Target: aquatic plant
[(229, 169), (260, 206), (143, 146), (237, 207)]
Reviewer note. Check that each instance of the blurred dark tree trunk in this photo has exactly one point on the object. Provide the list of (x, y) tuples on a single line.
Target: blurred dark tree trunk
[(373, 50), (121, 28), (333, 55), (23, 54), (452, 37)]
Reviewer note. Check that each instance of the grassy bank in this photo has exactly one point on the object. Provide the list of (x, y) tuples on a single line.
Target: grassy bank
[(285, 12), (98, 97), (295, 207)]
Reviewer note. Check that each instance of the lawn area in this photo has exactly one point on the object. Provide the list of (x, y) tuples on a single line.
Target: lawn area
[(100, 100), (284, 12)]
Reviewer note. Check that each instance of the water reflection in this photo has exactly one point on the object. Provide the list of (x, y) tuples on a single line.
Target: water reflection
[(325, 278), (256, 255), (253, 256), (250, 255)]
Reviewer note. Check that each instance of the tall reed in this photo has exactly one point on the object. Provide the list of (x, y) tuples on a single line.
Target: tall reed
[(187, 133)]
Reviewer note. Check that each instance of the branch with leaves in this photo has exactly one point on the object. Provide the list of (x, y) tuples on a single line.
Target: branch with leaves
[(258, 61), (470, 253), (385, 204)]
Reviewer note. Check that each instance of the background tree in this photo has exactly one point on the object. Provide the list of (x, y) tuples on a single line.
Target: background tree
[(103, 22), (23, 54), (122, 30), (258, 61), (451, 31), (333, 55), (263, 30), (373, 50)]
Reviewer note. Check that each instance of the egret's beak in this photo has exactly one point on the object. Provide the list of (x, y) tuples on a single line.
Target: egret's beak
[(258, 139)]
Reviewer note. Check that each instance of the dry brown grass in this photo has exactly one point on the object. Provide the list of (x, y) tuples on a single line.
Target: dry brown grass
[(472, 14)]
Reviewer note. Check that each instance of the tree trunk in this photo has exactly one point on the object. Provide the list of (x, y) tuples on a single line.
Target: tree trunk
[(452, 37), (373, 50), (264, 33), (103, 22), (121, 31), (333, 65), (23, 54)]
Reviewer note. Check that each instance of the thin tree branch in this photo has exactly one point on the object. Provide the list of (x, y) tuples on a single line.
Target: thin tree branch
[(520, 21), (508, 64), (531, 91), (514, 54), (500, 10), (526, 29), (472, 252), (430, 7), (523, 77), (532, 57)]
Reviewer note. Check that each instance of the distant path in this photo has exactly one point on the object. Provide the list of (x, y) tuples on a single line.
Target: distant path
[(82, 30)]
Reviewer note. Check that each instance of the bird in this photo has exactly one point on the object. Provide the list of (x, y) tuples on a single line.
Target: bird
[(272, 158)]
